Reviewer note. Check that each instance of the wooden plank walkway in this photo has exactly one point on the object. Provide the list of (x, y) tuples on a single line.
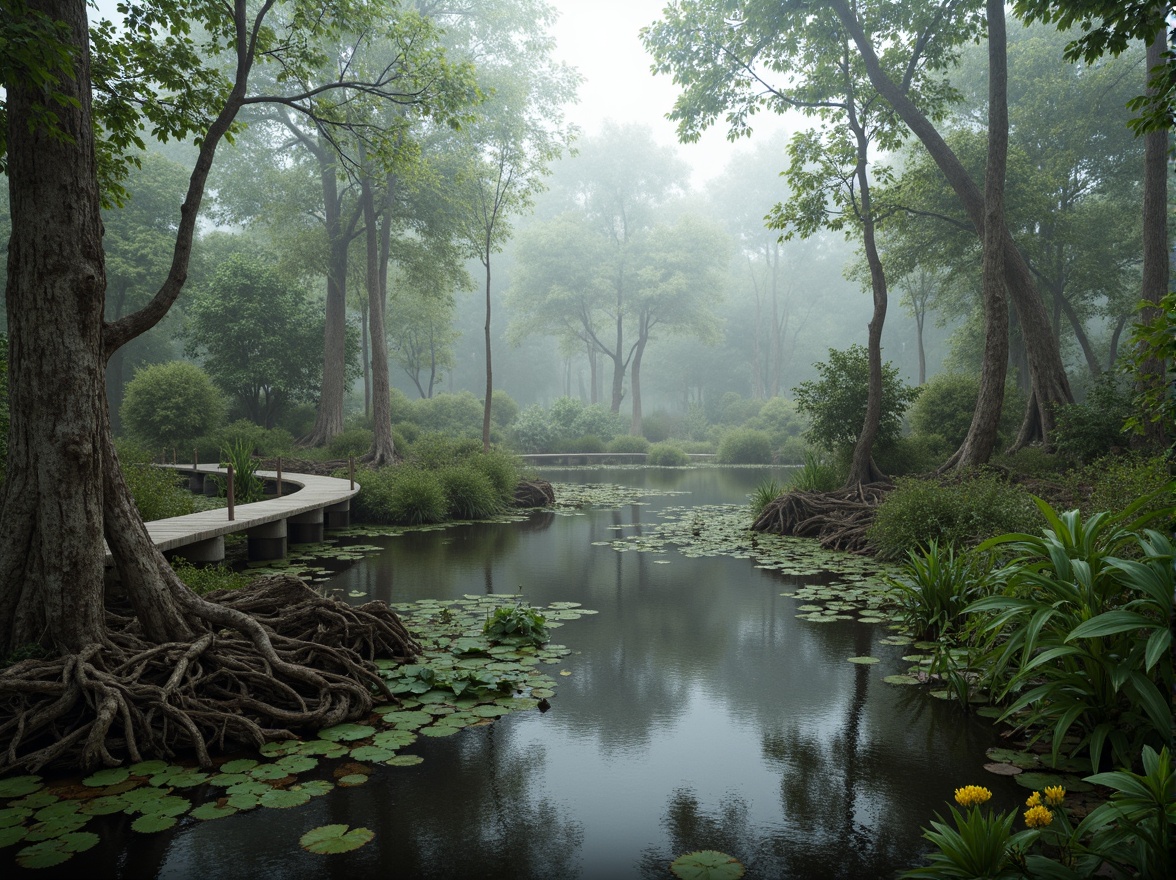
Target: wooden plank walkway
[(299, 517)]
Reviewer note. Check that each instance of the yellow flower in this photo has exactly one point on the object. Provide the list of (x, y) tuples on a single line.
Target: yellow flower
[(972, 795), (1054, 795), (1038, 816), (1034, 800)]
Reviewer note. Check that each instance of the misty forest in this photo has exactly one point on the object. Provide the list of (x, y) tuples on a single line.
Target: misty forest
[(352, 348)]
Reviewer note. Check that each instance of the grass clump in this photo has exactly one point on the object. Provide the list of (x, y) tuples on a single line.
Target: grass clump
[(666, 455), (468, 492), (628, 443), (401, 495), (936, 585), (203, 579), (817, 474), (765, 493), (965, 513)]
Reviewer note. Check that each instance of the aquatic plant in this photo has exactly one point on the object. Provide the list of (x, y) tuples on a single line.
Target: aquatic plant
[(666, 455), (816, 474), (516, 625), (936, 586), (247, 487), (765, 493), (745, 446), (469, 494)]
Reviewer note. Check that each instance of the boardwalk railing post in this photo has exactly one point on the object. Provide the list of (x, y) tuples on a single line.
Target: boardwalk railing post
[(279, 476), (174, 460), (195, 459), (351, 471), (232, 512)]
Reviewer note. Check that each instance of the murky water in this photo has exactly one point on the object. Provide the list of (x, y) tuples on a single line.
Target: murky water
[(698, 713)]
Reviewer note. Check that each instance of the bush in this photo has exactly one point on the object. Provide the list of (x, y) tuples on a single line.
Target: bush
[(1094, 428), (628, 443), (204, 579), (503, 409), (836, 403), (456, 415), (1118, 480), (501, 469), (657, 426), (1030, 461), (170, 404), (936, 585), (260, 441), (157, 491), (962, 514), (666, 455), (765, 493), (351, 442), (589, 443), (402, 495), (298, 419), (437, 451), (745, 446), (909, 455), (946, 403), (599, 421), (780, 418), (732, 409), (469, 494), (817, 474), (531, 431)]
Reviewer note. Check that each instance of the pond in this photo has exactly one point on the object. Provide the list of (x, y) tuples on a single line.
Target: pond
[(697, 709)]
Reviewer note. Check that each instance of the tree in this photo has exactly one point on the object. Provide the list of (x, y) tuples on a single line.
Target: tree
[(171, 403), (64, 492), (258, 337), (422, 336)]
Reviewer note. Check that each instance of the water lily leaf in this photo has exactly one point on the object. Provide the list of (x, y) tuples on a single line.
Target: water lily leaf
[(392, 739), (321, 747), (213, 810), (152, 824), (188, 780), (59, 810), (371, 753), (14, 816), (329, 839), (541, 693), (295, 764), (277, 749), (16, 786), (1003, 769), (12, 834), (865, 661), (901, 679), (55, 828), (1024, 760), (170, 805), (243, 801), (707, 865), (346, 732), (314, 787), (284, 798), (490, 711), (268, 772), (405, 761), (240, 765), (352, 779), (409, 720), (103, 778), (439, 730), (78, 841), (45, 854), (224, 780)]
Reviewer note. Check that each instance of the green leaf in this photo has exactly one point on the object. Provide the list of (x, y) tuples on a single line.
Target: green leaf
[(707, 865), (17, 786), (283, 799), (240, 765), (1109, 623), (404, 761), (78, 841), (209, 811), (45, 854), (346, 732), (331, 839), (152, 824), (103, 778)]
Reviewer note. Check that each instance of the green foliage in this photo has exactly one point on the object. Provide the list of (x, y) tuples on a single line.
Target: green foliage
[(920, 511), (1096, 427), (503, 409), (835, 404), (817, 474), (1155, 343), (351, 442), (666, 455), (1135, 828), (907, 455), (1030, 461), (455, 415), (438, 451), (1079, 637), (745, 446), (765, 493), (531, 431), (203, 579), (402, 495), (936, 585), (658, 426), (266, 442), (502, 470), (588, 443), (247, 487), (780, 418), (975, 845), (170, 404), (564, 426), (1118, 480), (516, 625), (945, 405), (469, 494), (733, 409), (156, 491), (628, 443)]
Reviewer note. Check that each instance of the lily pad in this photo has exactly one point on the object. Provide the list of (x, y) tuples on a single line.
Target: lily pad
[(707, 865), (45, 854), (103, 778), (331, 839), (372, 753), (240, 765), (17, 786), (12, 834), (284, 798), (78, 841), (207, 812), (405, 761), (295, 764), (353, 779), (1003, 769), (901, 679), (864, 661), (152, 824), (346, 732)]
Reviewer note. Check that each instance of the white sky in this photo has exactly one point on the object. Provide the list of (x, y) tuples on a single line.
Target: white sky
[(600, 39)]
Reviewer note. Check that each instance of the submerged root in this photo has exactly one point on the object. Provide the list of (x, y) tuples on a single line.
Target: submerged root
[(838, 519), (309, 666)]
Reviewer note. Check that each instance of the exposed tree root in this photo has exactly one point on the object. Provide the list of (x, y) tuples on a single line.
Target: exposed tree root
[(837, 519), (302, 662), (534, 493)]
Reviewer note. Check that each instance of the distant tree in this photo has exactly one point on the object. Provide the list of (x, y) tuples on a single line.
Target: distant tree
[(422, 336), (170, 403), (258, 337)]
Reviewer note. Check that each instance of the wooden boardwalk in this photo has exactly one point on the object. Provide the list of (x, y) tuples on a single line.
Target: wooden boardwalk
[(308, 505)]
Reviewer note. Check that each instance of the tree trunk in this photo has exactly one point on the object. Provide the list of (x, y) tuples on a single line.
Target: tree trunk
[(329, 418), (1048, 382), (377, 240), (489, 366), (982, 433), (365, 353), (1152, 373), (51, 554), (635, 381)]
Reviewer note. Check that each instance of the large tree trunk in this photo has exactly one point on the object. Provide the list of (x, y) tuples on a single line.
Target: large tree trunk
[(982, 433), (378, 246), (1048, 383), (635, 380), (489, 366), (51, 554), (1152, 373)]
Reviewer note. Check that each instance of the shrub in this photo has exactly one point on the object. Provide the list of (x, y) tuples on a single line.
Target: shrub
[(745, 446), (503, 409), (1118, 480), (156, 491), (657, 426), (204, 579), (909, 455), (531, 431), (501, 469), (457, 415), (409, 431), (599, 421), (946, 403), (588, 443), (765, 493), (516, 625), (261, 441), (937, 584), (1094, 428), (628, 443), (298, 419), (732, 409), (437, 451), (351, 442), (920, 511), (469, 494), (666, 455), (780, 418), (836, 403), (403, 495), (1030, 461), (170, 404)]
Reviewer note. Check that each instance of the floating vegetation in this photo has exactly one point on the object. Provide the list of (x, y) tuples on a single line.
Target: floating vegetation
[(707, 864), (467, 675)]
